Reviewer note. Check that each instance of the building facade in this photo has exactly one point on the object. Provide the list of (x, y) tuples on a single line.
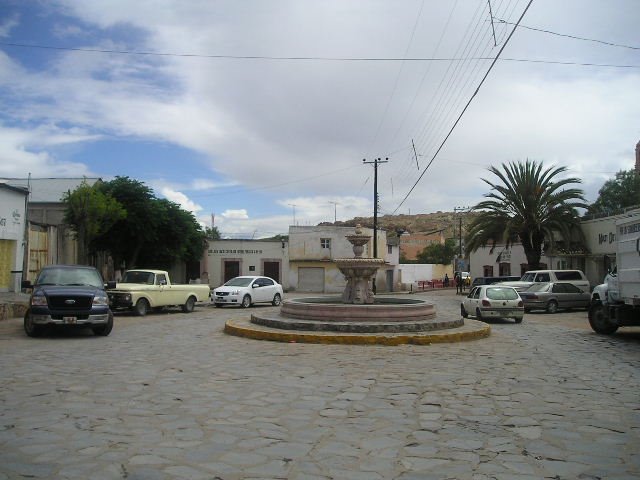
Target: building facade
[(231, 258), (13, 204), (312, 251), (50, 240), (595, 259)]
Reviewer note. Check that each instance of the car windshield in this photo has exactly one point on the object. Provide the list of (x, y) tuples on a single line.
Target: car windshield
[(528, 277), (538, 287), (501, 293), (70, 276), (138, 277), (239, 282)]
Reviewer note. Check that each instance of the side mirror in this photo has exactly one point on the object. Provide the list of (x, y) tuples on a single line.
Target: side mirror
[(110, 285), (255, 285), (26, 284)]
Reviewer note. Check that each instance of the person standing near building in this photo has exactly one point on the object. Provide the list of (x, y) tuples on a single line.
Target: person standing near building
[(446, 280)]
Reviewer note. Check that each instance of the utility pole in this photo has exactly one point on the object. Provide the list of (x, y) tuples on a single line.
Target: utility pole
[(294, 212), (456, 210), (375, 164), (335, 211)]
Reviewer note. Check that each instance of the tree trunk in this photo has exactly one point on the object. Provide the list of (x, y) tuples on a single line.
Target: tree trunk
[(532, 249)]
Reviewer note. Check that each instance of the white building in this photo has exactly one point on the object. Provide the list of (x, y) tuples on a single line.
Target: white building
[(312, 251), (13, 203), (594, 258), (231, 258), (50, 240)]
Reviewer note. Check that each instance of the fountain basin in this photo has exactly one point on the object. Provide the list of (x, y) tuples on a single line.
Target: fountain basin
[(330, 309)]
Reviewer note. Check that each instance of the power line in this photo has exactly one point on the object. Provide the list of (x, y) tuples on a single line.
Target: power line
[(466, 106), (575, 37), (328, 59)]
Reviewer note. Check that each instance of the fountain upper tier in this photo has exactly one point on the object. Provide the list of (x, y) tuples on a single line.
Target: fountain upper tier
[(358, 271)]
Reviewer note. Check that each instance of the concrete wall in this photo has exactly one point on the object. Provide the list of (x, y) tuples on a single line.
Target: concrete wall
[(412, 273), (12, 234)]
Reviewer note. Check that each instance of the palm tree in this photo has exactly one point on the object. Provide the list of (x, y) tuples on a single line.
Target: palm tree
[(529, 207)]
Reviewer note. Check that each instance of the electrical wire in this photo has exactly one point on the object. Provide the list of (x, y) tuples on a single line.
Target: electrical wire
[(466, 106), (329, 59), (574, 37)]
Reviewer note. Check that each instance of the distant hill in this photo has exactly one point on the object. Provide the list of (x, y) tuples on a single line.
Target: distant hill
[(420, 223)]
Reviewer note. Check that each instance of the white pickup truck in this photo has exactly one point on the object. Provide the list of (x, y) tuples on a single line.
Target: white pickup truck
[(142, 290)]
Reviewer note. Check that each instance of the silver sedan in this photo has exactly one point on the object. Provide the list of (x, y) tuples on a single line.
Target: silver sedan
[(554, 295)]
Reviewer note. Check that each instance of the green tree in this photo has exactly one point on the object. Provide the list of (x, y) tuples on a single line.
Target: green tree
[(529, 205), (127, 237), (212, 233), (618, 193), (438, 253), (178, 237), (91, 213)]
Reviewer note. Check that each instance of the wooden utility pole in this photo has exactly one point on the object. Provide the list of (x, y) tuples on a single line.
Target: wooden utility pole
[(375, 164)]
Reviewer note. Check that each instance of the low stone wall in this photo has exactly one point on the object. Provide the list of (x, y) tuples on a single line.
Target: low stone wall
[(12, 310)]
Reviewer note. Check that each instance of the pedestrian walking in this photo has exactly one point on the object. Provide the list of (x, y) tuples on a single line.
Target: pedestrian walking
[(458, 282), (446, 280)]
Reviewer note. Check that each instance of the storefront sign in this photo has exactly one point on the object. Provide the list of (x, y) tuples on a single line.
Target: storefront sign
[(240, 252), (606, 238)]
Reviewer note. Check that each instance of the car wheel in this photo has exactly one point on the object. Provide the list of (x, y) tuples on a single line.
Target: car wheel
[(518, 319), (599, 320), (189, 304), (527, 310), (141, 308), (276, 300), (552, 306), (478, 314), (246, 301), (30, 328), (463, 312), (104, 330)]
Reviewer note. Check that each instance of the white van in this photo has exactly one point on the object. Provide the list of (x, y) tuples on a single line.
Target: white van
[(576, 277)]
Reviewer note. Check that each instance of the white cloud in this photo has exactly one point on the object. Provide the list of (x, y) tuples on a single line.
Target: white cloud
[(240, 214), (9, 24), (181, 199), (296, 126)]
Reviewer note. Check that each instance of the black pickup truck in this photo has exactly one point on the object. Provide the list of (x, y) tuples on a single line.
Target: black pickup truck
[(69, 295)]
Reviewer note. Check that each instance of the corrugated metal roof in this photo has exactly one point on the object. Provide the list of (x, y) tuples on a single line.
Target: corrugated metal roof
[(48, 190)]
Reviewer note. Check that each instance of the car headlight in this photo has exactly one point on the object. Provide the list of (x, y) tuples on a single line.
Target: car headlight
[(39, 300), (235, 292), (101, 300)]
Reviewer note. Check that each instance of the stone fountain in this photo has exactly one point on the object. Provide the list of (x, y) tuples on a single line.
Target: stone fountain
[(358, 271), (357, 317)]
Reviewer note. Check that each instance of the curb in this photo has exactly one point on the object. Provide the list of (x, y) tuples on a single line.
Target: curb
[(472, 330)]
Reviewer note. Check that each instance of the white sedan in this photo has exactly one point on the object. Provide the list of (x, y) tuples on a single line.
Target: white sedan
[(245, 291), (493, 301)]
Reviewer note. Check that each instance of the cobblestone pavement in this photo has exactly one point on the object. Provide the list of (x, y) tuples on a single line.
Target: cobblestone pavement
[(170, 396)]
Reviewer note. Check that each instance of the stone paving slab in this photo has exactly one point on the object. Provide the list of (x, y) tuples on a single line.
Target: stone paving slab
[(171, 396)]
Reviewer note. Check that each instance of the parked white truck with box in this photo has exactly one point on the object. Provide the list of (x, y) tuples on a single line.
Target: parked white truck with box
[(616, 303), (141, 290)]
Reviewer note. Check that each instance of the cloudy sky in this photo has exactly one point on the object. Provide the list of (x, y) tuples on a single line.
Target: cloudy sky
[(261, 112)]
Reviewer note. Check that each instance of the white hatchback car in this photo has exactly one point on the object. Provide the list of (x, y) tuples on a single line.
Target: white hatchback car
[(493, 301), (245, 291)]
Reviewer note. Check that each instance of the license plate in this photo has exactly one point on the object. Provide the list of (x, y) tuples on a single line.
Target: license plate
[(70, 319)]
